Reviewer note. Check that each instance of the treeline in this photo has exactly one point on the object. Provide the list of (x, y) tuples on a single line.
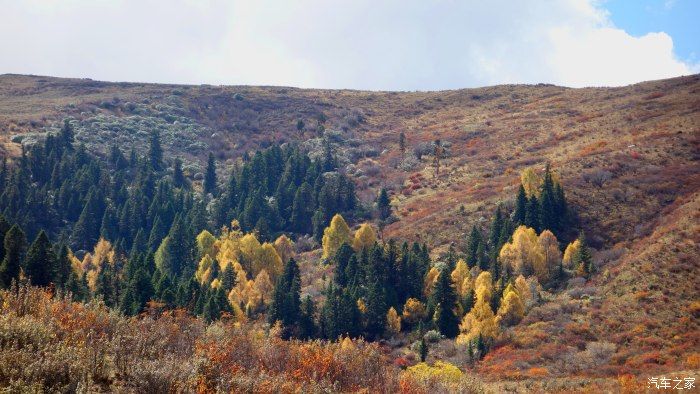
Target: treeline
[(133, 201)]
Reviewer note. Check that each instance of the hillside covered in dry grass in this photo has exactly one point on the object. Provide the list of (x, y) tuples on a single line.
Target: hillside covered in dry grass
[(629, 158)]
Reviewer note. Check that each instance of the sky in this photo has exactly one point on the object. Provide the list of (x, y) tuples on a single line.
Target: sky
[(353, 44)]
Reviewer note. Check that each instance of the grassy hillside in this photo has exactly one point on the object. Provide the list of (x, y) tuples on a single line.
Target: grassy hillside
[(628, 157)]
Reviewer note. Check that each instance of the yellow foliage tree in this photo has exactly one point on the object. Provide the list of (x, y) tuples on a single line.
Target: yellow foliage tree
[(334, 236), (269, 260), (249, 254), (414, 311), (284, 247), (92, 263), (480, 320), (512, 308), (524, 253), (531, 182), (364, 237), (203, 273), (552, 256), (523, 289), (206, 244), (458, 275), (570, 253), (393, 321), (263, 286), (430, 280), (484, 282)]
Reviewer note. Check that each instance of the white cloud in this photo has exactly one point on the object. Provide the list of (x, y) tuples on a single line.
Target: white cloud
[(364, 44)]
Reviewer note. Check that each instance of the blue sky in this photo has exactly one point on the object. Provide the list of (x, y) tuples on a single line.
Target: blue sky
[(355, 44), (679, 18)]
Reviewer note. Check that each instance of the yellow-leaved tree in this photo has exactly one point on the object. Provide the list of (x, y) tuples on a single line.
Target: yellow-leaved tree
[(430, 279), (458, 275), (552, 256), (531, 182), (206, 244), (263, 285), (393, 321), (364, 237), (204, 270), (414, 311), (524, 254), (284, 247), (480, 320), (334, 236), (570, 253), (92, 263), (512, 308), (523, 289), (269, 260)]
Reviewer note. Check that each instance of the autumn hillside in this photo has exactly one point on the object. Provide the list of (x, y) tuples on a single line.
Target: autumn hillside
[(628, 157)]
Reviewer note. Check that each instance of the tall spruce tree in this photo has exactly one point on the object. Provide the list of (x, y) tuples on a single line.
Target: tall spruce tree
[(155, 151), (445, 301), (39, 263), (520, 206), (14, 245), (210, 176)]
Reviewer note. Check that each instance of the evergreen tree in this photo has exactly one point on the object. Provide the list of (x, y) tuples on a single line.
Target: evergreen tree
[(520, 206), (66, 135), (286, 303), (39, 263), (383, 205), (548, 219), (423, 349), (210, 176), (475, 239), (341, 260), (176, 250), (4, 228), (63, 267), (179, 179), (87, 229), (302, 210), (14, 245), (584, 258), (532, 213), (444, 300), (155, 151), (377, 307), (307, 326)]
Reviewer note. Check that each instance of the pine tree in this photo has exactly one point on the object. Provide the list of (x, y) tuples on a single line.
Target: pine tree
[(383, 205), (307, 326), (444, 301), (377, 307), (155, 151), (583, 257), (548, 219), (210, 176), (520, 206), (423, 349), (86, 231), (475, 239), (286, 303), (14, 245), (176, 250), (532, 214), (40, 260), (67, 134), (402, 144), (63, 267), (179, 179)]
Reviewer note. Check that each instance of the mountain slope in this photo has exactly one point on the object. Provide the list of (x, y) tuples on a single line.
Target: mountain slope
[(628, 158)]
